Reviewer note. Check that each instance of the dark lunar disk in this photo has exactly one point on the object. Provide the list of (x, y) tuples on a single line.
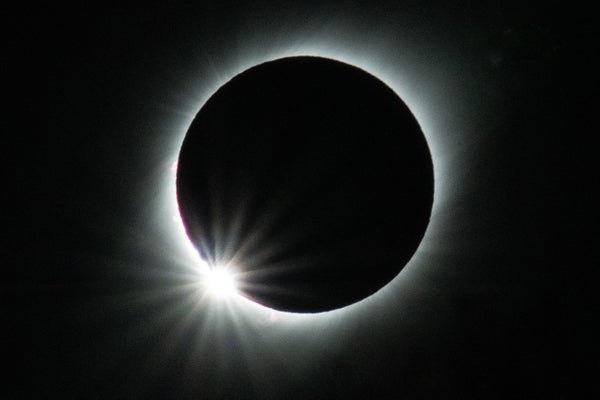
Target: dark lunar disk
[(309, 175)]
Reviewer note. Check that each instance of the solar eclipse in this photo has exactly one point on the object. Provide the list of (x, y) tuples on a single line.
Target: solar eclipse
[(312, 176)]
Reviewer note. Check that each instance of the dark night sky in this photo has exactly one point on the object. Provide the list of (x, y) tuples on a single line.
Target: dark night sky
[(497, 303)]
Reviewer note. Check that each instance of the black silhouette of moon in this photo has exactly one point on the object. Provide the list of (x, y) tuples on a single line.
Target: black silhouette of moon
[(312, 177)]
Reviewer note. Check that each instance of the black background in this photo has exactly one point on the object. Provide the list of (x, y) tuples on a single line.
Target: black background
[(501, 309)]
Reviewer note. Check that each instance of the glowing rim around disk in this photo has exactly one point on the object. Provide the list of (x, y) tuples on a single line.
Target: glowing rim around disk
[(428, 127)]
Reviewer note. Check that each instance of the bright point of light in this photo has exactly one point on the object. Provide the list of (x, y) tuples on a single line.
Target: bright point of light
[(221, 282)]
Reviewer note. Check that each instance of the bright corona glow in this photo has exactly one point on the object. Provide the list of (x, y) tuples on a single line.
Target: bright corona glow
[(403, 75), (220, 282)]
